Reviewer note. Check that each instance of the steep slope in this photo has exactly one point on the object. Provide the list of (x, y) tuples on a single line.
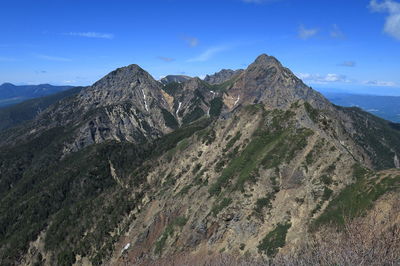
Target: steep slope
[(134, 171), (125, 105), (267, 81), (222, 76), (193, 99), (230, 186)]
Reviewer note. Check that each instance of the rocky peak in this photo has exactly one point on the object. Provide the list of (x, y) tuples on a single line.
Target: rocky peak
[(266, 60), (124, 77), (174, 78), (127, 84), (267, 81), (222, 76)]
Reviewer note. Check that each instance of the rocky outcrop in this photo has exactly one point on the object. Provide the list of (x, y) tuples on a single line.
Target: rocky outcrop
[(267, 81), (222, 76), (174, 79)]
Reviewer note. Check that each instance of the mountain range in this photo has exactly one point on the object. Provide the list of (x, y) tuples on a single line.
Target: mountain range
[(12, 94), (133, 171)]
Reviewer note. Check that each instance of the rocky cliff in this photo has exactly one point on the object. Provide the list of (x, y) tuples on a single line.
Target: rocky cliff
[(133, 171)]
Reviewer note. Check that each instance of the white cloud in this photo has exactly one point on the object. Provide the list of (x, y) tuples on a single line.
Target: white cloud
[(392, 23), (380, 83), (305, 33), (91, 34), (191, 41), (53, 58), (322, 79), (208, 54), (336, 33), (69, 81)]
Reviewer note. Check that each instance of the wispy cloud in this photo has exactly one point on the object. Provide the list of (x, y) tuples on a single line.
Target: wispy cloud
[(208, 54), (378, 83), (348, 64), (305, 33), (323, 79), (68, 82), (336, 32), (52, 58), (392, 23), (191, 41), (166, 59), (91, 34)]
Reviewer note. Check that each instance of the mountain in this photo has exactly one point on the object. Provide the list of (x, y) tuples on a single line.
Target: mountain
[(222, 76), (174, 78), (387, 107), (133, 171), (12, 94), (16, 114)]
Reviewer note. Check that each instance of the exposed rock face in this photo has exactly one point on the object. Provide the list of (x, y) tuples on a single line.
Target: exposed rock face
[(156, 170), (222, 76), (125, 105), (174, 78), (267, 81)]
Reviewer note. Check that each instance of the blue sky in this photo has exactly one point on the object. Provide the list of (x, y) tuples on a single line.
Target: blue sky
[(343, 45)]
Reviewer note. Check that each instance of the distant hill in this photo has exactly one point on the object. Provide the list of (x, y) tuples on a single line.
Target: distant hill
[(12, 94), (387, 107), (15, 114)]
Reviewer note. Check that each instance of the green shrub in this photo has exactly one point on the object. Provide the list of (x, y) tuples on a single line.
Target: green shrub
[(263, 203), (327, 194), (169, 119), (216, 106), (274, 240), (225, 202), (232, 142), (193, 115), (185, 190), (312, 112), (326, 179), (196, 168), (66, 258), (179, 221), (355, 199)]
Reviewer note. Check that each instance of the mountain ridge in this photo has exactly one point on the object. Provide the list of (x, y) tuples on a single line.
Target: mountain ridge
[(154, 170), (11, 94)]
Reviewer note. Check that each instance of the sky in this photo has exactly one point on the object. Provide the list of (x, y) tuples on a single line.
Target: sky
[(333, 45)]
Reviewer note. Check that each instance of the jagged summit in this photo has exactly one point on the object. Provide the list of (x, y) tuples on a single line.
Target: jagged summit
[(123, 78), (266, 60), (174, 78), (222, 76), (267, 81)]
